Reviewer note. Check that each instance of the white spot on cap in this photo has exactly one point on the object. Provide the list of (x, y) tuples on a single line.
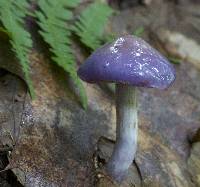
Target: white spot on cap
[(155, 69), (118, 42), (137, 54), (107, 64)]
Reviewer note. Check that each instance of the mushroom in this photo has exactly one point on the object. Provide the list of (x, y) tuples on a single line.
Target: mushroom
[(129, 62)]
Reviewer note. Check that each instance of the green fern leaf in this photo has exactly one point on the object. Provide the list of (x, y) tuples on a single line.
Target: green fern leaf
[(12, 14), (91, 24), (52, 19)]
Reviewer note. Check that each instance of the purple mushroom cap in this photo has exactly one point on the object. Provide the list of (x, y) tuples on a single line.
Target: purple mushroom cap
[(128, 60)]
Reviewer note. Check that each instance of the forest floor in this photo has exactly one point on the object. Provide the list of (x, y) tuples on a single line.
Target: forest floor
[(52, 141)]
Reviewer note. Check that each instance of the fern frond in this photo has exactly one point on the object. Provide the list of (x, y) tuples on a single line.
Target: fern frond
[(52, 19), (12, 14), (91, 24)]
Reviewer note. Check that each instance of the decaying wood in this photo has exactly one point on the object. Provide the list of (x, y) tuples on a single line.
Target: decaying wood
[(57, 140)]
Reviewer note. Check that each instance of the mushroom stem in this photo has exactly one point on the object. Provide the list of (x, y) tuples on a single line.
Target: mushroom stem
[(127, 130)]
